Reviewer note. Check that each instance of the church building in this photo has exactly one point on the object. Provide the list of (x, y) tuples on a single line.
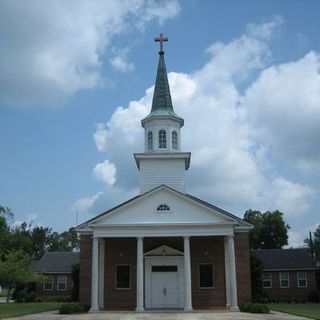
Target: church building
[(164, 248)]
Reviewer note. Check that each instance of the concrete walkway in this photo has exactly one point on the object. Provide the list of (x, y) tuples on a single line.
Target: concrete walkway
[(224, 315)]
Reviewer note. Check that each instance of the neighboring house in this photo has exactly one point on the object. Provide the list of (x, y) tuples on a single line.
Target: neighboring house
[(164, 248), (288, 274), (57, 267)]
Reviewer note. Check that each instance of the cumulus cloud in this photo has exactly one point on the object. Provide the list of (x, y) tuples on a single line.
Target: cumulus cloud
[(120, 63), (51, 50), (230, 166), (284, 105), (105, 171)]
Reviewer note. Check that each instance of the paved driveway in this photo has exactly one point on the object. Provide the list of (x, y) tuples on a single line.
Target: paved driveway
[(163, 316)]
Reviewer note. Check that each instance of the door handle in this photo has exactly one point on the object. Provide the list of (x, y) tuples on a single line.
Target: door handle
[(164, 291)]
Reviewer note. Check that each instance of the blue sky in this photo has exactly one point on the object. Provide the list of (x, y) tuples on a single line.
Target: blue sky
[(76, 79)]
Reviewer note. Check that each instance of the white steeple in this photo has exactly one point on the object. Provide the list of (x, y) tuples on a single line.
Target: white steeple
[(162, 162)]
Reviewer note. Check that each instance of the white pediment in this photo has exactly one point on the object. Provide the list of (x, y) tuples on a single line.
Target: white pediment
[(164, 251), (183, 210)]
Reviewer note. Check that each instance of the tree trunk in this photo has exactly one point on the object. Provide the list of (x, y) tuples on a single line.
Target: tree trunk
[(8, 294)]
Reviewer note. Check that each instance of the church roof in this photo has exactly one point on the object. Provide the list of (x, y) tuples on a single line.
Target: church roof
[(162, 102)]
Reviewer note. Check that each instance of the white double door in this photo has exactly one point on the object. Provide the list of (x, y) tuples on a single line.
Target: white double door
[(164, 289), (164, 282)]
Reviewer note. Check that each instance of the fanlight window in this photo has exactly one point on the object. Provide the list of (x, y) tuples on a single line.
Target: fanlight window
[(163, 207), (162, 139), (150, 140), (174, 140)]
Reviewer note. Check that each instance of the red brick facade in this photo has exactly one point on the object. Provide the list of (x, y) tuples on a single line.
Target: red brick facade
[(203, 250), (293, 292)]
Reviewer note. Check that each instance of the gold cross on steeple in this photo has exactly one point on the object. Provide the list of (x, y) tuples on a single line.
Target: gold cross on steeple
[(161, 39)]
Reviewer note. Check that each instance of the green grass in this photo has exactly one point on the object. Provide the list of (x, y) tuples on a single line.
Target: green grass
[(309, 310), (8, 310)]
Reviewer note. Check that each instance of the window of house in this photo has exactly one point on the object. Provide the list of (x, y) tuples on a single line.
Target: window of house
[(162, 139), (123, 276), (284, 280), (266, 280), (163, 207), (206, 275), (302, 279), (48, 284), (62, 283), (174, 140), (150, 140)]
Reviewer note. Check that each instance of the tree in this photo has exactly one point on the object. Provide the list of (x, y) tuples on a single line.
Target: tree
[(315, 245), (256, 267), (15, 269), (270, 230)]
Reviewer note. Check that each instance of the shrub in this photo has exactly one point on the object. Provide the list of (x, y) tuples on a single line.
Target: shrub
[(254, 308), (56, 299), (314, 296), (72, 307), (30, 297)]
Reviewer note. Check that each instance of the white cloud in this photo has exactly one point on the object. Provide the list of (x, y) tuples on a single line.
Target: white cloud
[(84, 204), (284, 105), (106, 172), (51, 50), (230, 166), (120, 63), (30, 218)]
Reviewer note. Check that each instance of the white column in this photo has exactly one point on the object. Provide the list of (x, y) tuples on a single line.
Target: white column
[(101, 273), (233, 276), (140, 306), (227, 272), (187, 275), (94, 276)]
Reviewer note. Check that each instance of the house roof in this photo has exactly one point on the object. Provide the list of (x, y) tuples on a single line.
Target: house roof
[(286, 259), (56, 262), (193, 198)]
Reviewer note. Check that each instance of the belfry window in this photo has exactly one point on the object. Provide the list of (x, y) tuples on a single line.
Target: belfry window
[(150, 140), (174, 140), (163, 207), (162, 139)]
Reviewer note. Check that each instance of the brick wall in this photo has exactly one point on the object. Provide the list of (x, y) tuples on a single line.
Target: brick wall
[(293, 292), (120, 251), (208, 250), (242, 253), (85, 269)]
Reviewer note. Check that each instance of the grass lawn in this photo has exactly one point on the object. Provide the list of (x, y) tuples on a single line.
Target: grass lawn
[(310, 310), (8, 310)]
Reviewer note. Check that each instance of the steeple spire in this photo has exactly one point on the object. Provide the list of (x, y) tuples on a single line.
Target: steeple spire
[(161, 102), (161, 96)]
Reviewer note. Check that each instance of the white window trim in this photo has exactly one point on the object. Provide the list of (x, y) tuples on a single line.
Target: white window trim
[(44, 284), (270, 279), (205, 288), (281, 286), (65, 281), (164, 140), (176, 141), (305, 278), (152, 140)]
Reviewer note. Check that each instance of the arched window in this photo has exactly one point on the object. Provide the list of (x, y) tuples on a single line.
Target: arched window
[(162, 139), (163, 207), (150, 140), (174, 140)]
